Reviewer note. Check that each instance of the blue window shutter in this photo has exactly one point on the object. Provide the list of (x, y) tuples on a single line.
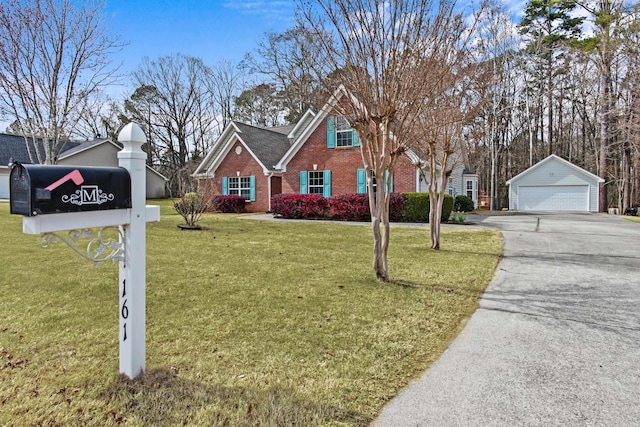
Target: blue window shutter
[(362, 181), (326, 181), (354, 138), (386, 176), (331, 132), (252, 188), (225, 185), (303, 182)]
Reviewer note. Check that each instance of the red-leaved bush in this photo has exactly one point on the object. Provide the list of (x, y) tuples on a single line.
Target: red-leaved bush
[(299, 206), (397, 204), (350, 207), (345, 207), (231, 203), (355, 207)]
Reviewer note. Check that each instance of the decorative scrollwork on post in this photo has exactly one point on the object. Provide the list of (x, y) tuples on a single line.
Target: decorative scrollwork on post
[(99, 249)]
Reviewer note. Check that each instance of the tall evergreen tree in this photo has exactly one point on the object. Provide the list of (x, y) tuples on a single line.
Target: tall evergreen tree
[(550, 26)]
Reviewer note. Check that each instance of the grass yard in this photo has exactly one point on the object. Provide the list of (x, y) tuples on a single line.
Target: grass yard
[(249, 323), (631, 218)]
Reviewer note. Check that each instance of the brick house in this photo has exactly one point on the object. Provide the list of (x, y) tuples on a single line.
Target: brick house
[(318, 155)]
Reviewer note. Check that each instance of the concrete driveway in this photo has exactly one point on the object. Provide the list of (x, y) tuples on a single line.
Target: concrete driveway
[(556, 339)]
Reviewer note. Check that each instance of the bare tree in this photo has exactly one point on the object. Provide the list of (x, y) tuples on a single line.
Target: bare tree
[(382, 51), (226, 82), (97, 116), (450, 103), (260, 105), (175, 103), (288, 60), (608, 17), (54, 53)]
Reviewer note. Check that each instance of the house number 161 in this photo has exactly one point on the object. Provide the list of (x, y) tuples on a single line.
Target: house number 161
[(124, 310)]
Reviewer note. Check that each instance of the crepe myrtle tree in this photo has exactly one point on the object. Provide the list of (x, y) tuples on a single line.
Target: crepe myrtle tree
[(450, 105), (381, 52)]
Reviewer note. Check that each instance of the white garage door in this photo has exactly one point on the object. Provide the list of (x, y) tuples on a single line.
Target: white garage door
[(4, 186), (554, 198)]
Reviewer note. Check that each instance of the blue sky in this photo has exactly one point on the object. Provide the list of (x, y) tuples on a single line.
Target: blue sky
[(211, 30)]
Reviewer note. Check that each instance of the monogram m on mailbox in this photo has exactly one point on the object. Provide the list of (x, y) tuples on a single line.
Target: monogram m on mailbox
[(46, 189)]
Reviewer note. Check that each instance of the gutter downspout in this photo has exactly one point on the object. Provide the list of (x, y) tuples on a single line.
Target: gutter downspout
[(269, 176)]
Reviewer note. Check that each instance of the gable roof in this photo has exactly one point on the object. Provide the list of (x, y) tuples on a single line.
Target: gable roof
[(88, 145), (555, 158), (265, 145), (312, 121), (13, 147), (84, 146)]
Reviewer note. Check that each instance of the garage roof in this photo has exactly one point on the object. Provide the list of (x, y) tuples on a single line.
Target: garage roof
[(552, 157)]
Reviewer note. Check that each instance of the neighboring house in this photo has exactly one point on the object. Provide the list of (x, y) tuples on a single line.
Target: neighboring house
[(462, 181), (90, 153), (319, 155), (554, 184), (13, 148), (103, 152)]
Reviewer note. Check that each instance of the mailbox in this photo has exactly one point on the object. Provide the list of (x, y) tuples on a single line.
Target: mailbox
[(46, 189)]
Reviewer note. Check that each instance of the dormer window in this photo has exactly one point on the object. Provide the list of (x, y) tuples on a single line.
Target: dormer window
[(340, 133), (344, 133)]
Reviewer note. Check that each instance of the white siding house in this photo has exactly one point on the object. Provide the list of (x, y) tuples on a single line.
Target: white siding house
[(554, 184), (105, 153), (4, 182), (89, 153), (462, 181)]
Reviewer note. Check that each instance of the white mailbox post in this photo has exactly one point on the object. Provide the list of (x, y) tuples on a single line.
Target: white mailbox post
[(133, 277), (129, 250)]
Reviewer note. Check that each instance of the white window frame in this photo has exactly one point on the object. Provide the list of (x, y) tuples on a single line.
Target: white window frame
[(469, 188), (374, 184), (344, 133), (239, 185), (315, 182)]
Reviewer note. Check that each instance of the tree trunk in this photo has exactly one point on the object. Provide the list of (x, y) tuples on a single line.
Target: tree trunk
[(380, 228), (604, 143), (434, 221)]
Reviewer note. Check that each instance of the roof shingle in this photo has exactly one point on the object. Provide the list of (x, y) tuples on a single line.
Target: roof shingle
[(268, 146), (13, 147)]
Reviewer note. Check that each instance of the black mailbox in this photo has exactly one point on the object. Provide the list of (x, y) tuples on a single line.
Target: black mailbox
[(46, 189)]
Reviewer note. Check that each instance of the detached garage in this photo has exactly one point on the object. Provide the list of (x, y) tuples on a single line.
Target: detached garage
[(554, 184)]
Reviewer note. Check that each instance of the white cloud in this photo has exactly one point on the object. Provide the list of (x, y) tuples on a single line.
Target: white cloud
[(268, 9)]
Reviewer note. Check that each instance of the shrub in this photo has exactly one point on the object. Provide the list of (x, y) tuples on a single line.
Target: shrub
[(299, 206), (355, 207), (463, 204), (447, 207), (231, 203), (417, 207), (350, 207), (397, 205), (191, 206)]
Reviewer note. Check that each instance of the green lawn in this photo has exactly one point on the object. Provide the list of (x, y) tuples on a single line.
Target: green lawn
[(631, 218), (249, 323)]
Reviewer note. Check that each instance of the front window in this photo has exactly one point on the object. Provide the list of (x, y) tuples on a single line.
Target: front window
[(241, 186), (316, 182), (470, 189), (373, 180), (344, 133), (450, 185)]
